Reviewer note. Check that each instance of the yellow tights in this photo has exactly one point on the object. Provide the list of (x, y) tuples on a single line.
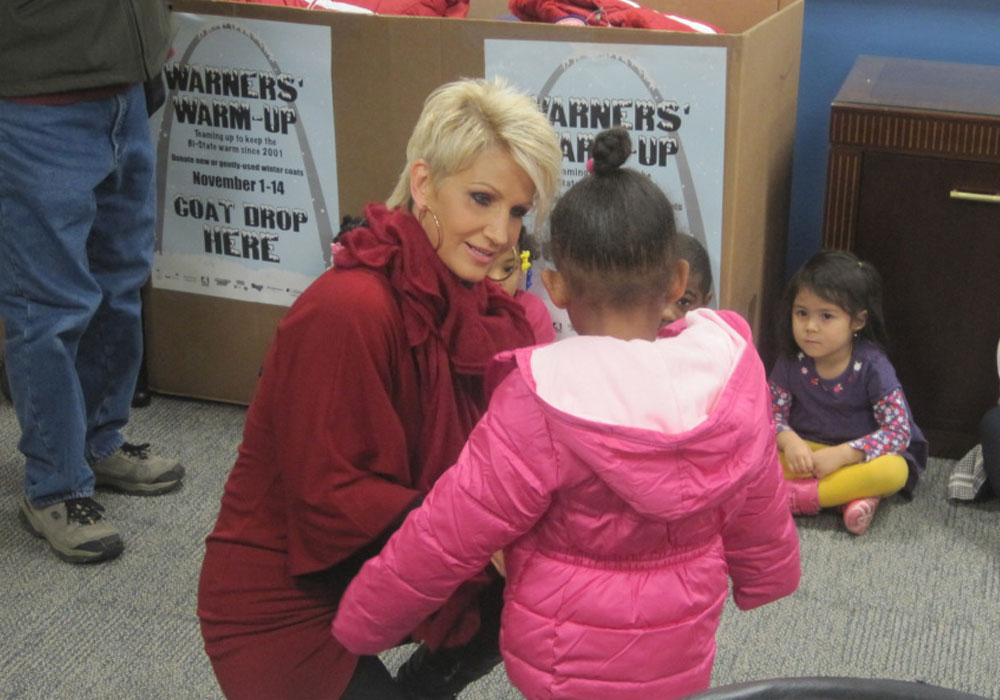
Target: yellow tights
[(882, 476)]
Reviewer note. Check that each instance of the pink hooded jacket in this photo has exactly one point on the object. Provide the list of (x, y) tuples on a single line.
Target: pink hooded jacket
[(626, 482)]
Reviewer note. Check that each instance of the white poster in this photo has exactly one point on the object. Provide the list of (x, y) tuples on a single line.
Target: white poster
[(671, 98), (246, 172)]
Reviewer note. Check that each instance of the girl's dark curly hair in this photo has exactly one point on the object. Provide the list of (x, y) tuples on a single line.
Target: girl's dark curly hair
[(612, 233), (843, 279)]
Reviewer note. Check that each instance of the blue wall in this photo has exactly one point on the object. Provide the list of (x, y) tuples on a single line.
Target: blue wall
[(835, 32)]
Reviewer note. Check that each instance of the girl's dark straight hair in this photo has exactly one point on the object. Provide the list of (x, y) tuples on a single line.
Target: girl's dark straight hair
[(841, 278)]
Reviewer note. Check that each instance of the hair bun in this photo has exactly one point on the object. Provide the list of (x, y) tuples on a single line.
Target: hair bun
[(611, 149)]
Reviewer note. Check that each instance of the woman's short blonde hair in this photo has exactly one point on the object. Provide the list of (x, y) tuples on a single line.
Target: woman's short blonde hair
[(464, 118)]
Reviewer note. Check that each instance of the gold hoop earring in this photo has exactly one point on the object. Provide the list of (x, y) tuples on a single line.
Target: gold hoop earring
[(437, 224)]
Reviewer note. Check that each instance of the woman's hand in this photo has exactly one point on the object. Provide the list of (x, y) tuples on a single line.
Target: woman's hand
[(798, 455), (498, 563), (829, 459)]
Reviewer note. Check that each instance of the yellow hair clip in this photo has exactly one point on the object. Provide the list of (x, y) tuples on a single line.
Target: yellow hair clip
[(525, 260)]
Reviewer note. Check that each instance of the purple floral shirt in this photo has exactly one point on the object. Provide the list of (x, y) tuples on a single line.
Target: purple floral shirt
[(864, 407), (892, 437)]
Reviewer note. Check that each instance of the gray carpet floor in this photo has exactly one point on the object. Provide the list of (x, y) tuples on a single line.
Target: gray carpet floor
[(917, 598)]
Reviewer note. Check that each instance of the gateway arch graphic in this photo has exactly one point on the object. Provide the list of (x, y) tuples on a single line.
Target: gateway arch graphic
[(319, 208), (689, 193)]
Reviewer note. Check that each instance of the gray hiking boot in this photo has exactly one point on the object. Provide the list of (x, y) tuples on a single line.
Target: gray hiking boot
[(134, 470), (75, 529)]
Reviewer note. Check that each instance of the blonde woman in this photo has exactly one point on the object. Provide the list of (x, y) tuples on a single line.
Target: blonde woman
[(371, 386)]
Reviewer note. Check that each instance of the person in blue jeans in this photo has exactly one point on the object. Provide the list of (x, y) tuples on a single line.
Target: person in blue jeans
[(77, 211)]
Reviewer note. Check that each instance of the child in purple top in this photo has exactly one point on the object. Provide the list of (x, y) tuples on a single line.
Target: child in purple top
[(844, 429)]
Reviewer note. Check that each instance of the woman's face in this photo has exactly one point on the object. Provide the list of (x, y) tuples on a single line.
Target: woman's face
[(479, 210), (823, 330)]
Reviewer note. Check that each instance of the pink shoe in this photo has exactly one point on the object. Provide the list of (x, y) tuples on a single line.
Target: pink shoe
[(858, 514), (803, 496)]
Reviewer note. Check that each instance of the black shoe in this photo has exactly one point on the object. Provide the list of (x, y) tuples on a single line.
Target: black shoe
[(4, 381), (426, 675), (141, 397), (443, 673)]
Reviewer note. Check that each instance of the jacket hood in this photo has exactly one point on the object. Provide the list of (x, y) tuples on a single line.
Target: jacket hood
[(667, 425)]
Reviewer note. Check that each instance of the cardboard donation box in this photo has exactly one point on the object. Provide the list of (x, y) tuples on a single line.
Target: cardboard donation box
[(281, 121)]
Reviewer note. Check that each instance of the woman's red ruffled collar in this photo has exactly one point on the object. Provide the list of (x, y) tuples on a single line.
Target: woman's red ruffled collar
[(474, 321)]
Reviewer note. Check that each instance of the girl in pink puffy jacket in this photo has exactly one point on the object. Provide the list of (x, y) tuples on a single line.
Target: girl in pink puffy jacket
[(626, 478)]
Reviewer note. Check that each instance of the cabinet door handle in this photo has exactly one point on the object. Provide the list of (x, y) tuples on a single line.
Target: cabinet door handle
[(976, 196)]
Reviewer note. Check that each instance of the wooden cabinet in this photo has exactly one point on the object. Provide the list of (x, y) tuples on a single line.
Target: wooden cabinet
[(913, 186)]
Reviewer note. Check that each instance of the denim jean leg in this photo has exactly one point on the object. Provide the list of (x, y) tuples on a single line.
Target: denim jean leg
[(52, 160), (120, 252)]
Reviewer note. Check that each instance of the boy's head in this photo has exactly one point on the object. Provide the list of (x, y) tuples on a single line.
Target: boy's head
[(698, 291)]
